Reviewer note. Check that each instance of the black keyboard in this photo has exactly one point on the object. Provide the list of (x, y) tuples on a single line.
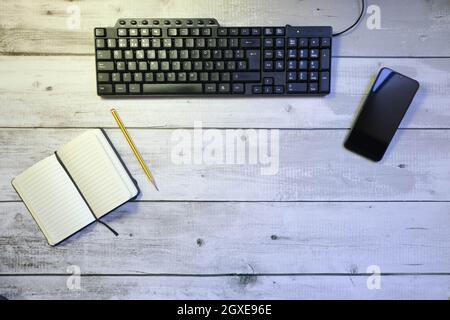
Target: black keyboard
[(172, 57)]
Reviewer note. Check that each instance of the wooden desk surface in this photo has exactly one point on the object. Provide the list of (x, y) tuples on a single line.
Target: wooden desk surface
[(311, 231)]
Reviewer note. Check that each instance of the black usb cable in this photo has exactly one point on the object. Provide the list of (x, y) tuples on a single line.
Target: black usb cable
[(355, 23)]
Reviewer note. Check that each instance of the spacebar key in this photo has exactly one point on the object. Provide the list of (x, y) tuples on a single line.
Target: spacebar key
[(172, 88)]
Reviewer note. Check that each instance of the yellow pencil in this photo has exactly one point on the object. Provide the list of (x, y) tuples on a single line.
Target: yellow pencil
[(133, 147)]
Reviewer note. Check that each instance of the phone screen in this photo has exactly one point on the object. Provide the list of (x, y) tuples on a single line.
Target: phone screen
[(381, 114)]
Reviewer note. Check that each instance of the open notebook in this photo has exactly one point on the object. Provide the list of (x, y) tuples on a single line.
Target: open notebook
[(77, 185)]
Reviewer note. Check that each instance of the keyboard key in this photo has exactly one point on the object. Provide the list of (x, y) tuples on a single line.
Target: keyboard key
[(102, 77), (104, 88), (279, 54), (171, 77), (279, 65), (292, 65), (292, 54), (99, 43), (279, 42), (233, 31), (268, 81), (303, 65), (324, 81), (123, 43), (325, 59), (256, 31), (314, 53), (246, 76), (126, 77), (292, 42), (314, 42), (154, 65), (234, 43), (279, 89), (303, 43), (238, 88), (244, 31), (267, 89), (296, 87), (224, 88), (137, 77), (172, 88), (279, 31), (214, 76), (268, 54), (302, 76), (100, 32), (115, 77), (135, 88), (250, 43), (292, 76), (105, 66), (268, 65), (192, 76), (222, 32), (254, 59), (225, 76), (313, 65), (222, 42), (120, 88), (111, 43), (103, 54), (268, 43), (303, 53), (313, 87), (268, 31), (325, 42), (242, 65), (257, 89), (210, 88), (206, 32)]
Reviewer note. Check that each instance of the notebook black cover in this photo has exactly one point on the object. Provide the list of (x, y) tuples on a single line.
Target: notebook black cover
[(82, 196)]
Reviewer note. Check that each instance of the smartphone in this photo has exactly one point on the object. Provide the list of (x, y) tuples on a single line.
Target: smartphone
[(381, 114)]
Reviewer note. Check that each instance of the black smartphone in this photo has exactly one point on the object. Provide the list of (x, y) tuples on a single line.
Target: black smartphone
[(381, 114)]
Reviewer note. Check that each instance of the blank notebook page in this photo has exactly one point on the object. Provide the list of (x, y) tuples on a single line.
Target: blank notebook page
[(53, 200), (97, 172)]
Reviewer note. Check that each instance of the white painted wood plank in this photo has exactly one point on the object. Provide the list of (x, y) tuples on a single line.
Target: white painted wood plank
[(408, 28), (61, 91), (313, 165), (236, 287), (223, 238)]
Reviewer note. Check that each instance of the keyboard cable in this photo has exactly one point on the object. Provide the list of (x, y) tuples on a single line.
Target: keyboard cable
[(355, 23)]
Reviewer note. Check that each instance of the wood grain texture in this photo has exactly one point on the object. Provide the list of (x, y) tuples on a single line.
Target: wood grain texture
[(236, 287), (213, 231), (60, 92), (313, 165), (227, 237), (408, 28)]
